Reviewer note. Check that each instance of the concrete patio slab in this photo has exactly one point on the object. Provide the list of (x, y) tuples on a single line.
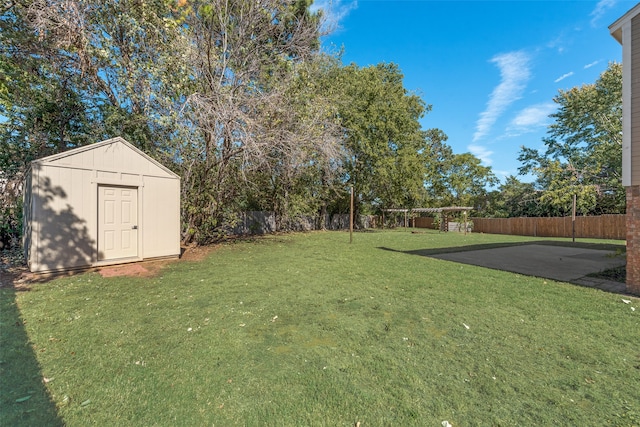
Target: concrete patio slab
[(561, 263)]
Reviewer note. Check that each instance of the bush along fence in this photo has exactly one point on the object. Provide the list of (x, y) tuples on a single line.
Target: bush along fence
[(261, 222), (596, 227)]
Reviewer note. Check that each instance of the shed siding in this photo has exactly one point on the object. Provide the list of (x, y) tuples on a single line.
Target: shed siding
[(107, 175), (161, 195), (635, 100), (62, 233)]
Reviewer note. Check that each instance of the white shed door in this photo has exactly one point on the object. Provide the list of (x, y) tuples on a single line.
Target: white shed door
[(117, 222)]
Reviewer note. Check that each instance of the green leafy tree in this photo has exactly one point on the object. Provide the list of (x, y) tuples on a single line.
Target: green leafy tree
[(385, 147), (438, 157), (41, 111), (583, 149), (467, 180), (75, 72), (300, 180), (454, 179), (514, 199)]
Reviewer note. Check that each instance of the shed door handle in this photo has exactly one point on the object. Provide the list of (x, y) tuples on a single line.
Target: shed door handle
[(135, 227)]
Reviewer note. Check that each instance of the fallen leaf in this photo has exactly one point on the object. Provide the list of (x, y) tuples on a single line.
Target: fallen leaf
[(86, 402), (465, 325), (626, 301), (23, 399)]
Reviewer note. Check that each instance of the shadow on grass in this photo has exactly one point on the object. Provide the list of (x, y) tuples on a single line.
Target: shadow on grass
[(438, 251), (24, 399), (551, 268)]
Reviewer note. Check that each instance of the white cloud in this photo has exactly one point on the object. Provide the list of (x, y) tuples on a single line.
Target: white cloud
[(482, 153), (600, 9), (592, 64), (334, 11), (558, 43), (514, 74), (531, 118), (564, 76)]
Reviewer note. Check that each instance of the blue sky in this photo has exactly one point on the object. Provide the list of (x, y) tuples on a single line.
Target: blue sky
[(490, 69)]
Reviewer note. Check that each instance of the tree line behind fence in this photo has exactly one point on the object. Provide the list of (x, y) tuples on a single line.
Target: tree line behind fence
[(262, 222)]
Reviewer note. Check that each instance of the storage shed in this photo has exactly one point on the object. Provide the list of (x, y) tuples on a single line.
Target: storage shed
[(104, 203)]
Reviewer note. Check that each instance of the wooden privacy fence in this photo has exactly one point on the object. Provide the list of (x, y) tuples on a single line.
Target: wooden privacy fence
[(597, 227), (423, 222)]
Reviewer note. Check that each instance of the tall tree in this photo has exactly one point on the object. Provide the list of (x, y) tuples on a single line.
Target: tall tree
[(583, 148), (454, 179), (385, 148), (467, 180), (245, 56), (300, 181)]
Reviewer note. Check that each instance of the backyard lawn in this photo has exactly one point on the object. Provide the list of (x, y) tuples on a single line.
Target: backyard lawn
[(309, 330)]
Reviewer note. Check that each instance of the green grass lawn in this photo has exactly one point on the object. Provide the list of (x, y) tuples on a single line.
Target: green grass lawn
[(307, 329)]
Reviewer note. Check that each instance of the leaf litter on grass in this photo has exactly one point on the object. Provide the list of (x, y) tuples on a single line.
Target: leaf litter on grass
[(324, 320)]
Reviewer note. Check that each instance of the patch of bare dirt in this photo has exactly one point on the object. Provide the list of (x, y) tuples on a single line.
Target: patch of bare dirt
[(138, 269), (14, 272), (124, 270), (197, 253), (12, 266)]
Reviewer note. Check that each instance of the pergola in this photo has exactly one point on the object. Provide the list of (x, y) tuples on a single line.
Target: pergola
[(444, 223)]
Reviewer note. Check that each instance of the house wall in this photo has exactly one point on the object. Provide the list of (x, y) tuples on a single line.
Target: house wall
[(633, 239), (61, 226), (634, 84), (626, 30)]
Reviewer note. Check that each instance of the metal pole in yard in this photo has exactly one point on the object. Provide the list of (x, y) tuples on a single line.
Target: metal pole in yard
[(351, 218), (465, 223), (573, 220)]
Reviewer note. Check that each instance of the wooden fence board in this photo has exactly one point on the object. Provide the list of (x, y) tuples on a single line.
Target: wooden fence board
[(423, 222)]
